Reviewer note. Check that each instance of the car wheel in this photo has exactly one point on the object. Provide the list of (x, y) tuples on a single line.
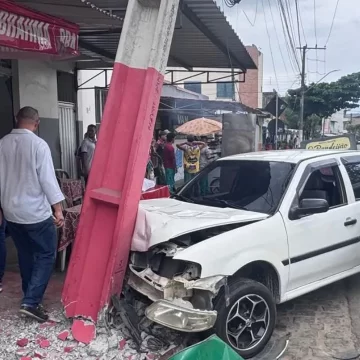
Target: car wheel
[(249, 321)]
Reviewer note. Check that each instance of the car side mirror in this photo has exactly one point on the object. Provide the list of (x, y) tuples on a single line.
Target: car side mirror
[(309, 207)]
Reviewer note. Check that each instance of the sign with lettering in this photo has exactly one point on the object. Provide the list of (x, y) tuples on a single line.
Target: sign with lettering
[(342, 142), (25, 31)]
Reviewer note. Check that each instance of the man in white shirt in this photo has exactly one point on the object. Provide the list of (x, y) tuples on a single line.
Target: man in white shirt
[(29, 191), (87, 151)]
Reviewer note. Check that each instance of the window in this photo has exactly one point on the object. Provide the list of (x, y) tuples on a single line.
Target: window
[(249, 185), (325, 183), (194, 86), (353, 171), (225, 90)]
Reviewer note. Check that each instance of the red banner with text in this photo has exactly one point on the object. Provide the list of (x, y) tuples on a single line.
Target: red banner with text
[(26, 33)]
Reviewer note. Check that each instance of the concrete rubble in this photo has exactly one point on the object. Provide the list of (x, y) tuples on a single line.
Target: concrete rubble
[(24, 339)]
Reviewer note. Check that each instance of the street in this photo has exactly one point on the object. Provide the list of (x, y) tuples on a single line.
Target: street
[(324, 324)]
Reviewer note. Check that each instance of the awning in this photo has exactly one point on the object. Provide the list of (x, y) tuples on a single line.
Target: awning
[(25, 33), (203, 38)]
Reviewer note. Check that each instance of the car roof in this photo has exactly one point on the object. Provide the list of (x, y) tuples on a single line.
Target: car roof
[(290, 156)]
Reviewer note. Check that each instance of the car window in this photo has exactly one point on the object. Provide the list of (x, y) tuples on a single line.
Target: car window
[(250, 185), (325, 183), (353, 171)]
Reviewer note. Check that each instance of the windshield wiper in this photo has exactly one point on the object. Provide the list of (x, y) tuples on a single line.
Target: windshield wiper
[(230, 204), (182, 198)]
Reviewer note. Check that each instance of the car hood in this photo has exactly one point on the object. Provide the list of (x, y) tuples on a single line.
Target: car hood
[(160, 220)]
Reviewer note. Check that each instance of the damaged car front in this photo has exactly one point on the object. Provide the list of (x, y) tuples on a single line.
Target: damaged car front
[(182, 300), (181, 248)]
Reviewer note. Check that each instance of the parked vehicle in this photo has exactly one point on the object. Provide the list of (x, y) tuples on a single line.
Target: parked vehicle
[(281, 224)]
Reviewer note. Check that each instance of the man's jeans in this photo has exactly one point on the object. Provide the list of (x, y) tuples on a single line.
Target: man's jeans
[(36, 245), (2, 249)]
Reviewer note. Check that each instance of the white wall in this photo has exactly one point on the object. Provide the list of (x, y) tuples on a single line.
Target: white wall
[(86, 98), (335, 124), (35, 84)]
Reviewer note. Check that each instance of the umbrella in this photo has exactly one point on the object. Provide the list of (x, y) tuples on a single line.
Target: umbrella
[(200, 127)]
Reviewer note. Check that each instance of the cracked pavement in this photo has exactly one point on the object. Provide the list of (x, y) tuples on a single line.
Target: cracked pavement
[(324, 324)]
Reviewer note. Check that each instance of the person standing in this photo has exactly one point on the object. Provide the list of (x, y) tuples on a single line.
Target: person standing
[(87, 151), (30, 198), (170, 161), (2, 249), (191, 151), (206, 157), (160, 144), (296, 142), (159, 148)]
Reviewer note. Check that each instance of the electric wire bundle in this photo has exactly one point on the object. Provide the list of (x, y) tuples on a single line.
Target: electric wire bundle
[(231, 3)]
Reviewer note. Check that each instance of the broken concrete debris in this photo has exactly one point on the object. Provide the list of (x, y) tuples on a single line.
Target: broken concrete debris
[(22, 342), (63, 335), (24, 339), (83, 331)]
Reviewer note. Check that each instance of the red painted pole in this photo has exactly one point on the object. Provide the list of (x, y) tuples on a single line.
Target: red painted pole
[(103, 239)]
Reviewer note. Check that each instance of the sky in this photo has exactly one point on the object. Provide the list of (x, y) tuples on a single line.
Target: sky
[(343, 46)]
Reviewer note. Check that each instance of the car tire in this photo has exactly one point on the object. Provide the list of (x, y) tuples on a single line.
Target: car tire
[(244, 296)]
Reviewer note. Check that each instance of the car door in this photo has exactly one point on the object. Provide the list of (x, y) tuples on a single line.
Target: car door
[(321, 245)]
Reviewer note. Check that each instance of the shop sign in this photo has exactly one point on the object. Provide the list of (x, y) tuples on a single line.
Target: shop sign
[(343, 142), (24, 30)]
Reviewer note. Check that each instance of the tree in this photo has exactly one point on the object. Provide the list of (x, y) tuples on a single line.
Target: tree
[(323, 100), (354, 129)]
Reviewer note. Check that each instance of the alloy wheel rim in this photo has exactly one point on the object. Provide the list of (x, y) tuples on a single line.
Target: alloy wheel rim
[(247, 322)]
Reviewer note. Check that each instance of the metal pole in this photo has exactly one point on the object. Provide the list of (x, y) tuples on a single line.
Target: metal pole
[(113, 193), (233, 83), (276, 119), (302, 100)]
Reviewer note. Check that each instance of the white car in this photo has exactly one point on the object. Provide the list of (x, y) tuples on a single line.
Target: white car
[(247, 233)]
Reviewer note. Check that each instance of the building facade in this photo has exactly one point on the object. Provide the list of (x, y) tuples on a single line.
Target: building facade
[(336, 124), (251, 90)]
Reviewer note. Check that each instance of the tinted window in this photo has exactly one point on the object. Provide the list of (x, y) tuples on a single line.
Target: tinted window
[(194, 86), (353, 171), (326, 184), (251, 185), (225, 90)]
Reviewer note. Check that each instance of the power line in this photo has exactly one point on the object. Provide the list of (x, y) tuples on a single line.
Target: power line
[(315, 27), (316, 39), (332, 23), (231, 3), (287, 45), (298, 20), (290, 17), (277, 38), (256, 11), (291, 40), (292, 63), (271, 52), (301, 24)]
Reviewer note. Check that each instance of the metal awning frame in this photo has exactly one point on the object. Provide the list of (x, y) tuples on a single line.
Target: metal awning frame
[(227, 76), (101, 71)]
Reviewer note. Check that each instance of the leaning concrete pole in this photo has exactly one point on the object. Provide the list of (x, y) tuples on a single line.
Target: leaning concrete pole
[(103, 238)]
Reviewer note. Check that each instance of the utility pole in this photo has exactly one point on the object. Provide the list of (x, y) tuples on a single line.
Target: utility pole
[(233, 84), (303, 86), (276, 119)]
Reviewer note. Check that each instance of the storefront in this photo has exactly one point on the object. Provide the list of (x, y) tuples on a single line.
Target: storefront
[(48, 49)]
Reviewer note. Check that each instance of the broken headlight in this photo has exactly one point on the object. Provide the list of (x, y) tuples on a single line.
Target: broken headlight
[(180, 318)]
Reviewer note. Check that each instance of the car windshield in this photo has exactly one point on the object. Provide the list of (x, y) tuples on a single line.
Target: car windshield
[(241, 184)]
